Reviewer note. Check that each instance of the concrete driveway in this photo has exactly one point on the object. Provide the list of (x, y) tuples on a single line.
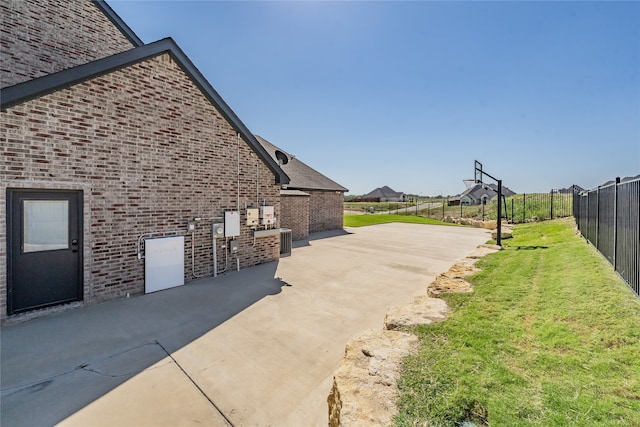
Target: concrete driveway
[(252, 348)]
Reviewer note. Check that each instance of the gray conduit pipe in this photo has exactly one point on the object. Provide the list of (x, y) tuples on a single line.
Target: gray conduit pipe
[(193, 256)]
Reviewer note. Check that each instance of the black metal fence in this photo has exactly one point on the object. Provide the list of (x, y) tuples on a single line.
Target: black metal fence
[(538, 206), (515, 209), (609, 218)]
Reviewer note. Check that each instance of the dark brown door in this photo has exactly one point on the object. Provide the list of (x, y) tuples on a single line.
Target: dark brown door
[(44, 248)]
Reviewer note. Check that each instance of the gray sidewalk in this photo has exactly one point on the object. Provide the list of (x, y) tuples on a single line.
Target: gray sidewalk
[(251, 348)]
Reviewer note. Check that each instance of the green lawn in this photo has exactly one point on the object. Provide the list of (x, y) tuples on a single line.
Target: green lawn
[(550, 337), (362, 220)]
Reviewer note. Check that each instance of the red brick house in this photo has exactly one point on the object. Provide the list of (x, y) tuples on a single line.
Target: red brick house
[(311, 202), (107, 142)]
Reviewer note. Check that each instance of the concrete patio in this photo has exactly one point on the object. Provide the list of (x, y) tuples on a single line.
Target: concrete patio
[(252, 348)]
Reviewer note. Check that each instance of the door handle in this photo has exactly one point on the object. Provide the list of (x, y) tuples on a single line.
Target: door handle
[(74, 243)]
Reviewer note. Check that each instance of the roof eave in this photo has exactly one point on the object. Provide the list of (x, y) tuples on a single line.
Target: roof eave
[(35, 88), (302, 188)]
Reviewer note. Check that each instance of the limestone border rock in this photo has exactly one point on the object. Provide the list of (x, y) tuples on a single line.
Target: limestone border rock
[(505, 233), (423, 311), (489, 224), (364, 388)]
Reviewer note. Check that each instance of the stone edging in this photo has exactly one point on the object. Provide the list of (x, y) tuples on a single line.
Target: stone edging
[(364, 388)]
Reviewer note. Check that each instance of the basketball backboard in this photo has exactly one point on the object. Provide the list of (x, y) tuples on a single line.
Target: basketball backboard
[(478, 172)]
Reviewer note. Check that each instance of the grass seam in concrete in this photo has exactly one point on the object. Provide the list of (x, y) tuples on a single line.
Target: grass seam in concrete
[(227, 420)]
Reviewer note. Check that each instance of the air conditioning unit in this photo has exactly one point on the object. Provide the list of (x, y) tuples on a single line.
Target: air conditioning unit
[(285, 242)]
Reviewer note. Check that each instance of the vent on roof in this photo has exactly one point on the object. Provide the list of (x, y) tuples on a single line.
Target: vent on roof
[(282, 158)]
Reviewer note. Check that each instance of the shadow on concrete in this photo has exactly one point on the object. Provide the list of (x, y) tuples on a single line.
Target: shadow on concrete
[(318, 236), (51, 367)]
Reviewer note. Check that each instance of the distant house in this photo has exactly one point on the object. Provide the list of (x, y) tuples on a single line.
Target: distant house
[(310, 202), (454, 201), (570, 190), (384, 194), (479, 194), (622, 180)]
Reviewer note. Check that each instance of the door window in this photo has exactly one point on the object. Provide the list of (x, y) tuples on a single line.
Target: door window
[(46, 225)]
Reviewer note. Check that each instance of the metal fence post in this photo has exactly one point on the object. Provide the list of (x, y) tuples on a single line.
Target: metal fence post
[(598, 218), (499, 230), (551, 214), (513, 218), (586, 230), (615, 225)]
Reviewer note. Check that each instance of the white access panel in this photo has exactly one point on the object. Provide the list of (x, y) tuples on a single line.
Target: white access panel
[(163, 263), (231, 223)]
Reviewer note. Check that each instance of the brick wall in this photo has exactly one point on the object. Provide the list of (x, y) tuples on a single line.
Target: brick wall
[(41, 37), (326, 210), (149, 152), (295, 215)]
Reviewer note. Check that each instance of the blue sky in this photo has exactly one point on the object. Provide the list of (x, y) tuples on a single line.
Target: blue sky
[(409, 94)]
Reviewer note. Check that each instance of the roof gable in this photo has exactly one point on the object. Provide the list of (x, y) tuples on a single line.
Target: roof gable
[(23, 92), (301, 175), (45, 36)]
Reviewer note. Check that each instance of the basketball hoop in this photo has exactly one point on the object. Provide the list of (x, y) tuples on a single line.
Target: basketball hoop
[(478, 178)]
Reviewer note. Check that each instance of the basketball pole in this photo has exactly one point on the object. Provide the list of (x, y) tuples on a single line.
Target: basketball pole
[(478, 173)]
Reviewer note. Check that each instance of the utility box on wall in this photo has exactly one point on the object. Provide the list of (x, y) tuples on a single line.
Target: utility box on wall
[(231, 223), (253, 216), (267, 214), (218, 230)]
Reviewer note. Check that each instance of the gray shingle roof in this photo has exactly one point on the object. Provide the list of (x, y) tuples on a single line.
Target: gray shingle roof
[(383, 193), (301, 176), (490, 190)]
